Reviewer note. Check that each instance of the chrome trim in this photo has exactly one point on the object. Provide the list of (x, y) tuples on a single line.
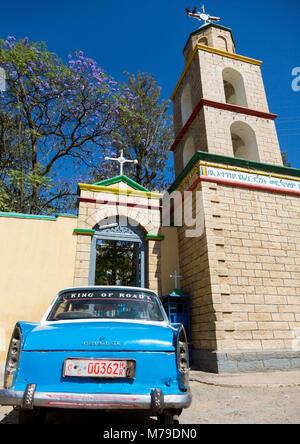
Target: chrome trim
[(94, 401), (11, 397)]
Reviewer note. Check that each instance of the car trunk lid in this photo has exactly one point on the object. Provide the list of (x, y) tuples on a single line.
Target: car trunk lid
[(83, 336)]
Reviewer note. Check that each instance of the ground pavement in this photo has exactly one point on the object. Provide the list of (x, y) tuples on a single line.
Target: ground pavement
[(240, 398)]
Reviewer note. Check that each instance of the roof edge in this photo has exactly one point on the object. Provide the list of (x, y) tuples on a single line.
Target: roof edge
[(122, 178)]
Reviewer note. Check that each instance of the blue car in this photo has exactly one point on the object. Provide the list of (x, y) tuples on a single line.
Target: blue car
[(99, 348)]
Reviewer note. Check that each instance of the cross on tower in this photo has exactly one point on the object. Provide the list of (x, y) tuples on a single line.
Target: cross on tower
[(202, 16), (121, 161), (176, 277)]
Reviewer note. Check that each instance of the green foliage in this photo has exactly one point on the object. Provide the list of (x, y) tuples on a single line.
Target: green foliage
[(145, 134), (58, 121), (285, 159), (54, 118), (115, 263)]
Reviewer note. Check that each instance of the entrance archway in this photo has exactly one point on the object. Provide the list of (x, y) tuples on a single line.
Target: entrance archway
[(118, 254)]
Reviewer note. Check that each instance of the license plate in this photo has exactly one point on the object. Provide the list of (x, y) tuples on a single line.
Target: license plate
[(95, 368)]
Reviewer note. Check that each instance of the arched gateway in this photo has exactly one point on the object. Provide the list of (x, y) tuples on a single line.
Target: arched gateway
[(118, 235), (118, 254)]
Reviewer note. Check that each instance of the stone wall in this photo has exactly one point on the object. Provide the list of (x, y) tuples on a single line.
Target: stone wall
[(243, 275), (193, 78), (232, 362), (261, 249), (196, 278), (169, 259), (37, 257), (212, 66), (198, 131), (218, 123)]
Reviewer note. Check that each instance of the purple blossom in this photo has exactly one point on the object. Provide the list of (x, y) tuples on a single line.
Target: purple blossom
[(84, 86)]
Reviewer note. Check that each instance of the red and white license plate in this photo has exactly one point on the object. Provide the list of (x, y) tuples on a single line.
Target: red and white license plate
[(95, 368)]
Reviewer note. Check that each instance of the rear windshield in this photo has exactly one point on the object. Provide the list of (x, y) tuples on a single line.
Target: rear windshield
[(112, 304)]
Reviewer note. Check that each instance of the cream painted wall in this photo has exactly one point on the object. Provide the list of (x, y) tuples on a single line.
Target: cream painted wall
[(169, 259), (37, 259)]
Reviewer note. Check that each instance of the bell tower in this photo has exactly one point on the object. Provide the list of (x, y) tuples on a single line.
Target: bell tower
[(240, 262), (220, 104)]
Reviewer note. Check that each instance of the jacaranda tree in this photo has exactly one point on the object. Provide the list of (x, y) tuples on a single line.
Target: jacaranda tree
[(56, 120), (146, 133)]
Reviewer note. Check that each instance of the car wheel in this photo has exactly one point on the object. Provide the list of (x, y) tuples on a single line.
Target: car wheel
[(165, 418), (31, 417)]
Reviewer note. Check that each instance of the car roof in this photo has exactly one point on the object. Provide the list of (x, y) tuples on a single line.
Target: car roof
[(106, 287)]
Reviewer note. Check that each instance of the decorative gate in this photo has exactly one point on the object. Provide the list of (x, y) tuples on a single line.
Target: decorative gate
[(118, 254)]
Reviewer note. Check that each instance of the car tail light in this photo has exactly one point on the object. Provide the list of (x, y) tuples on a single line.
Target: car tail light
[(13, 356), (183, 359)]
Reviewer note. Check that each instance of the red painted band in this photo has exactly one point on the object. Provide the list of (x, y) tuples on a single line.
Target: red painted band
[(118, 204), (187, 125), (90, 397), (223, 106), (250, 186), (239, 109), (77, 404)]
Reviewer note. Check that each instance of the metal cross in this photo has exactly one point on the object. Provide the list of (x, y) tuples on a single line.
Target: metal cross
[(202, 16), (122, 161), (175, 276)]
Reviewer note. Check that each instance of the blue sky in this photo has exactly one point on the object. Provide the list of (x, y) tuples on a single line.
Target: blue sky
[(149, 36)]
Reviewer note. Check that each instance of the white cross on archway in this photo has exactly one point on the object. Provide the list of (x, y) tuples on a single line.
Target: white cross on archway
[(121, 161)]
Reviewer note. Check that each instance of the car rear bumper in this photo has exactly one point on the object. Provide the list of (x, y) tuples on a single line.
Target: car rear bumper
[(32, 398)]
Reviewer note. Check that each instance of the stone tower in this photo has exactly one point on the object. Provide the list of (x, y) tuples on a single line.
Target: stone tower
[(242, 270), (220, 104)]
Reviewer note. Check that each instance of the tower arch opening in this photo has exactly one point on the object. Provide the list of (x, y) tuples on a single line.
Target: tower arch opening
[(186, 104), (222, 43), (244, 141), (234, 88), (188, 151), (203, 41)]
